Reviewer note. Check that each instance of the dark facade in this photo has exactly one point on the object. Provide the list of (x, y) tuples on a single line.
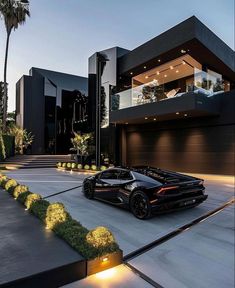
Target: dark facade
[(168, 103), (51, 105)]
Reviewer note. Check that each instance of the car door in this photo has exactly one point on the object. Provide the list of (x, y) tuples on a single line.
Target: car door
[(125, 178), (107, 185)]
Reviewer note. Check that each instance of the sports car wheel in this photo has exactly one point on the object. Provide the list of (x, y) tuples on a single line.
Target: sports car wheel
[(140, 205), (88, 190)]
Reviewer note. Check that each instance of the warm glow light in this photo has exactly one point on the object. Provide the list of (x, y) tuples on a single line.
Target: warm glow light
[(177, 113), (183, 62), (177, 71), (183, 51), (158, 72), (144, 67), (126, 123), (106, 274), (185, 115), (105, 259), (146, 77), (131, 73), (154, 119), (165, 75), (71, 171), (159, 60), (171, 67), (146, 118)]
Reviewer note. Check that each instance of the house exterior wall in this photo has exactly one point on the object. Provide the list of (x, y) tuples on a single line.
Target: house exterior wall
[(200, 145)]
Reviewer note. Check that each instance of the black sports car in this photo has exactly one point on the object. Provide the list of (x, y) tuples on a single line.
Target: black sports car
[(145, 190)]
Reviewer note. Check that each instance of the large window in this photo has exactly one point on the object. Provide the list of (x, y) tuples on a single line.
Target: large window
[(172, 79)]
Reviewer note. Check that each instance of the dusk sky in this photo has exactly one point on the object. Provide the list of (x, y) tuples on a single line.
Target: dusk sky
[(60, 35)]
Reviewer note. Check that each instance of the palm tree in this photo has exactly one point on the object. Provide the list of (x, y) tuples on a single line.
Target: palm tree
[(14, 13)]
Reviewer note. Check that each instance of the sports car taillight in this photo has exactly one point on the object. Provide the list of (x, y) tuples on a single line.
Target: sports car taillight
[(165, 189)]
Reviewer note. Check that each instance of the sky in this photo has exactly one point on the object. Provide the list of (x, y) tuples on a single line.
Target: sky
[(60, 35)]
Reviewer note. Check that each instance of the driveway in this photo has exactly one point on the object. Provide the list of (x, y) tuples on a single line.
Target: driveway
[(171, 264)]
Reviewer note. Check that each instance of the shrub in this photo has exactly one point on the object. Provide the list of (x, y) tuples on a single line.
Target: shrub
[(19, 189), (39, 209), (31, 198), (3, 180), (59, 164), (100, 237), (68, 165), (9, 143), (79, 166), (56, 213), (23, 196), (2, 148), (93, 167), (102, 168), (73, 165), (10, 183), (86, 167), (64, 165)]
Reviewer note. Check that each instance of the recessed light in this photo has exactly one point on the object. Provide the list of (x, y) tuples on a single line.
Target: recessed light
[(131, 73), (183, 51), (146, 77), (177, 113), (165, 75), (126, 123), (146, 118), (185, 115), (154, 119), (159, 60), (177, 71), (171, 67), (158, 72), (183, 62), (145, 67)]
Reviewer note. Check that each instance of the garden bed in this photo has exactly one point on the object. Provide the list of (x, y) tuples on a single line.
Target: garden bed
[(97, 246)]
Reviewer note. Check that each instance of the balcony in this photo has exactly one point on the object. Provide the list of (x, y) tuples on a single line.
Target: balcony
[(157, 101)]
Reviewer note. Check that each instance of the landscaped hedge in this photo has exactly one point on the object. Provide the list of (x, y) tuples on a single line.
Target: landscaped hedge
[(90, 244), (77, 167), (9, 143)]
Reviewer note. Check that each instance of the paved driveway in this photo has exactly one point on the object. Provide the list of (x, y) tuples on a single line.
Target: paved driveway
[(132, 233)]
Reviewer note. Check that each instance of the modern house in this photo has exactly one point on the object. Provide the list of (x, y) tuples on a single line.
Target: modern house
[(51, 105), (168, 103)]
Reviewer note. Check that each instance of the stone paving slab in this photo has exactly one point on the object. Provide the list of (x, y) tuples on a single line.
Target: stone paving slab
[(200, 257)]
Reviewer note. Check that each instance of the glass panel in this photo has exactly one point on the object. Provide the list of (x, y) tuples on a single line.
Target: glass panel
[(208, 83)]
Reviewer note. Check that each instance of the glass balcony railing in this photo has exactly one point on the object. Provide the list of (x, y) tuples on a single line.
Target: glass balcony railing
[(202, 82)]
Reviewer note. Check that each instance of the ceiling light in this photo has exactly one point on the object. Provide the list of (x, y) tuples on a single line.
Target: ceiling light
[(158, 72), (146, 118), (159, 60), (185, 115), (146, 77), (154, 119), (183, 62), (131, 73), (183, 51), (145, 67), (177, 71), (177, 113), (171, 67), (165, 75)]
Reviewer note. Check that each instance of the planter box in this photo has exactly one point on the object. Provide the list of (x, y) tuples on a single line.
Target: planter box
[(104, 262)]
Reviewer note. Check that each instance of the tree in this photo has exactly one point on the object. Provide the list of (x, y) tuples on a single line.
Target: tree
[(14, 13), (81, 144)]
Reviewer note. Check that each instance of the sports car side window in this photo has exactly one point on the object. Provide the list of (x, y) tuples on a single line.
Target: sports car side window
[(125, 175), (110, 174)]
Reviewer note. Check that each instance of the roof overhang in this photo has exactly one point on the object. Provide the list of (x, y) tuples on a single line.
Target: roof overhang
[(191, 36)]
